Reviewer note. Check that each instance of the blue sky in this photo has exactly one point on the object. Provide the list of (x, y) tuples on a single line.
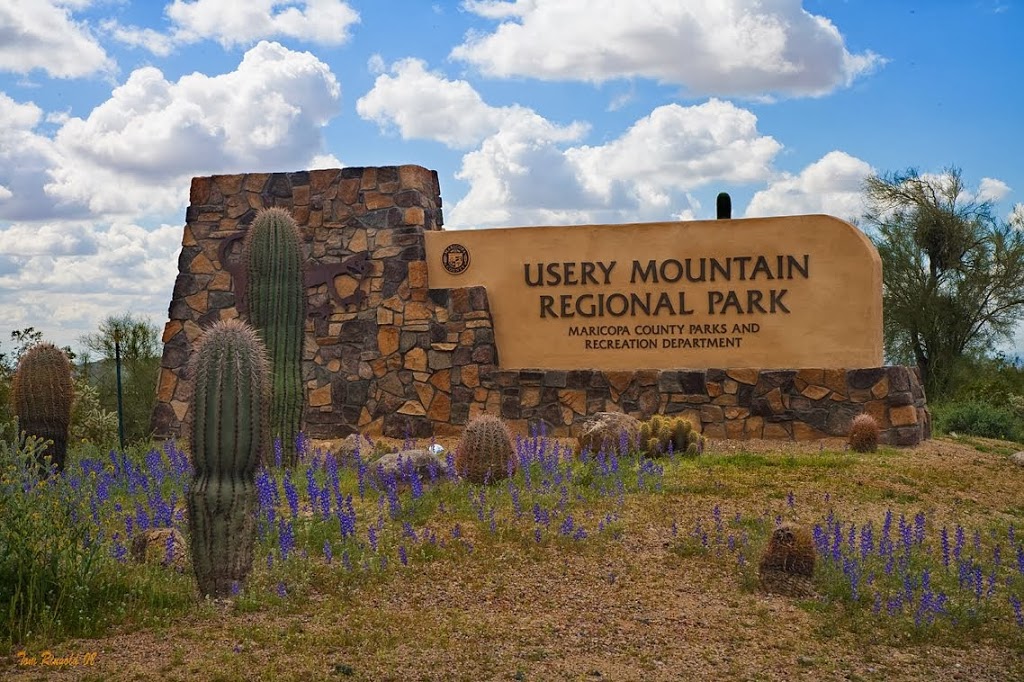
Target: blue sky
[(532, 112)]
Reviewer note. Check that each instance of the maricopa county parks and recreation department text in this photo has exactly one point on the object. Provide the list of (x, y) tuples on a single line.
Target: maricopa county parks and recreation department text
[(670, 271)]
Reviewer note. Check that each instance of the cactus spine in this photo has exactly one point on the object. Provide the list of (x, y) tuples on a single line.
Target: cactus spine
[(42, 393), (277, 309), (229, 435), (485, 453)]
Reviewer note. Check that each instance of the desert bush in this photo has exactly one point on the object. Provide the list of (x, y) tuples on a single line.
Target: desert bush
[(978, 418)]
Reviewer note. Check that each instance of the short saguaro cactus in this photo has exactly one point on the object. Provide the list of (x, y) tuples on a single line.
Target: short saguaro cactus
[(229, 436)]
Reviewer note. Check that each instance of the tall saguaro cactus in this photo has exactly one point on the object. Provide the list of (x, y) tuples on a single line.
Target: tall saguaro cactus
[(42, 392), (277, 309), (229, 437)]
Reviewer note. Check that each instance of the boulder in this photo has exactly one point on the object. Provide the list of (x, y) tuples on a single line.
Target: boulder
[(1017, 458), (605, 429), (406, 463), (165, 546)]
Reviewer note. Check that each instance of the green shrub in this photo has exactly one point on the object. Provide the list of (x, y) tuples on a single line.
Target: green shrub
[(47, 560), (978, 418)]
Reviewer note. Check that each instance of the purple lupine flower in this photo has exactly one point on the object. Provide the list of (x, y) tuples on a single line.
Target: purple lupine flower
[(328, 552), (851, 540), (278, 453), (493, 523), (1015, 603), (291, 493), (449, 463), (120, 552), (537, 534), (372, 535), (978, 582), (944, 540), (361, 469), (741, 560), (958, 541), (977, 542), (791, 499), (675, 528), (169, 550), (407, 531), (867, 542), (402, 555), (567, 526), (346, 561), (852, 572), (580, 534), (325, 505), (282, 592), (285, 537), (905, 534), (312, 489), (997, 556), (456, 532), (1020, 559), (919, 528), (141, 518)]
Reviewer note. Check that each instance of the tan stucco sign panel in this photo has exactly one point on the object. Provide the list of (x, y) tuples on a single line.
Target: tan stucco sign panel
[(792, 292)]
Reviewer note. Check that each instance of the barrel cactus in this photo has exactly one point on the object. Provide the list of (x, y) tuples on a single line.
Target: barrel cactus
[(276, 304), (787, 563), (485, 453), (42, 393), (864, 433), (228, 430), (660, 433)]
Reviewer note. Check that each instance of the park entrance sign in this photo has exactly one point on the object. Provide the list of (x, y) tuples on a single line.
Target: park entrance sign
[(800, 291), (762, 328)]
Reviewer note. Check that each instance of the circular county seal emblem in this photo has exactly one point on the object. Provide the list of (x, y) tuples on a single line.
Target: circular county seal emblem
[(455, 259)]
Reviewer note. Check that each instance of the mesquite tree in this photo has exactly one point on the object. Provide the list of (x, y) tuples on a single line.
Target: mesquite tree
[(953, 272)]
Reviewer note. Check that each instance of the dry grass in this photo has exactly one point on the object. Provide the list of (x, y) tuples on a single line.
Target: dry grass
[(626, 609)]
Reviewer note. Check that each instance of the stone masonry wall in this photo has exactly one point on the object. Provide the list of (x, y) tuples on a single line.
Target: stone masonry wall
[(386, 354)]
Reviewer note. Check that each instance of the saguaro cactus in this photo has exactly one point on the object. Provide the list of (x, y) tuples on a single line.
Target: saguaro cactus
[(229, 437), (277, 309), (42, 393)]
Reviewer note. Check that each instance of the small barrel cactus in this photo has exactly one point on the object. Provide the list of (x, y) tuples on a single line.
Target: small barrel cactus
[(864, 433), (228, 430), (660, 433), (42, 392), (485, 453), (787, 563), (276, 303)]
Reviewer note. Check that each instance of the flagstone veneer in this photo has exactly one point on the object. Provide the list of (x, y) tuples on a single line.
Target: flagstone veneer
[(384, 353)]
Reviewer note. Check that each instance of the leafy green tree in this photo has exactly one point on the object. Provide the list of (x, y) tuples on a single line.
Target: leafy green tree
[(140, 367), (953, 272)]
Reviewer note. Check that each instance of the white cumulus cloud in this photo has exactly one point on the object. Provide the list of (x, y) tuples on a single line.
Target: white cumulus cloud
[(457, 116), (833, 185), (524, 169), (43, 34), (720, 47), (992, 189), (76, 274), (243, 22), (136, 151)]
